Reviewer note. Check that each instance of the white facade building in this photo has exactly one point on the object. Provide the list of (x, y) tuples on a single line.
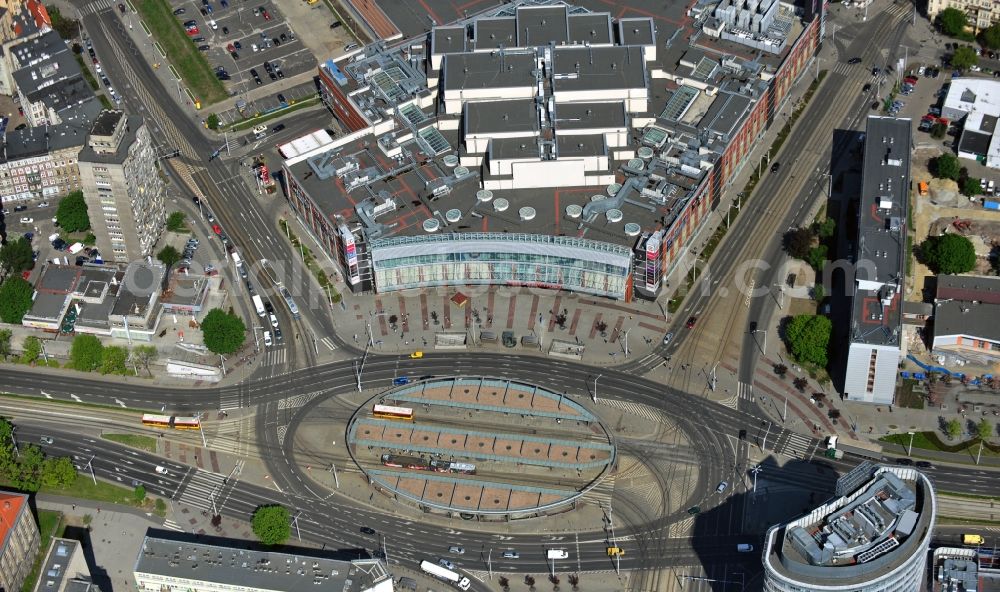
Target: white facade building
[(977, 102)]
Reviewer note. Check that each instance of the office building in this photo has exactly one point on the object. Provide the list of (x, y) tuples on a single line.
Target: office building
[(875, 334), (525, 146), (965, 311), (19, 538), (975, 104), (123, 187), (874, 538), (178, 565), (65, 569)]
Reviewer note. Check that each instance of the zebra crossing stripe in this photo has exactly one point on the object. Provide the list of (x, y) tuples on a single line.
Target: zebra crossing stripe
[(328, 343), (169, 524)]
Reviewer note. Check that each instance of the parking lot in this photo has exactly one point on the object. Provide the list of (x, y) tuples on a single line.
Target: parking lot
[(247, 45)]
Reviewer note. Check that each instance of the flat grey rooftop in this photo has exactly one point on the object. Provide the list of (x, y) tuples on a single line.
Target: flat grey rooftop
[(253, 569), (488, 70), (493, 117), (974, 319), (881, 244), (570, 116), (541, 25), (598, 68)]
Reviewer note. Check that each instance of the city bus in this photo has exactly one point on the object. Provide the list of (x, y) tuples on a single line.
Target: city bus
[(156, 421), (186, 423), (390, 412)]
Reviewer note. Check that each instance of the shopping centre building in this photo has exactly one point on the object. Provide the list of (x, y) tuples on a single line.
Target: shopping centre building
[(543, 143)]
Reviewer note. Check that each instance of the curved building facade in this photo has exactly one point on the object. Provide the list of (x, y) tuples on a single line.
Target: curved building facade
[(874, 539), (493, 258)]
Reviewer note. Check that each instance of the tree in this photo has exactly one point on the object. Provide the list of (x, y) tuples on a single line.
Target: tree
[(175, 222), (797, 242), (984, 429), (990, 36), (953, 428), (212, 121), (271, 524), (32, 349), (86, 353), (819, 292), (948, 254), (952, 21), (781, 370), (816, 258), (504, 583), (826, 228), (946, 166), (16, 256), (965, 57), (15, 299), (223, 332), (800, 384), (113, 359), (5, 337), (144, 355), (27, 472), (66, 27), (71, 215), (808, 337), (139, 494), (939, 131), (168, 255), (58, 472), (971, 187)]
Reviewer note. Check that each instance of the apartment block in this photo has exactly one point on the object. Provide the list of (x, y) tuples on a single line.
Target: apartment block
[(19, 539), (122, 187), (982, 13)]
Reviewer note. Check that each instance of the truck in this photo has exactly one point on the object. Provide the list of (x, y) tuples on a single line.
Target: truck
[(973, 539), (445, 574), (258, 304), (831, 448)]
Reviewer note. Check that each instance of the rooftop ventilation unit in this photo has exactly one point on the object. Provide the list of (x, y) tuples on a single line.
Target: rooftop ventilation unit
[(453, 215), (451, 161), (597, 197), (635, 164), (501, 205), (645, 152), (614, 215), (484, 195), (461, 172), (614, 188), (431, 225), (526, 214), (574, 211), (632, 229)]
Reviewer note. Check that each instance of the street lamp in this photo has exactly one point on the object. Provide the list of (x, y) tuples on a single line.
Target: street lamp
[(595, 386), (909, 449)]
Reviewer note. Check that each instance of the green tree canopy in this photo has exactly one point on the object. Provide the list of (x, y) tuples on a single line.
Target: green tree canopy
[(212, 121), (798, 241), (948, 253), (990, 36), (971, 187), (947, 166), (952, 21), (58, 472), (5, 337), (16, 256), (964, 58), (808, 337), (168, 255), (271, 524), (953, 428), (175, 222), (223, 332), (32, 349), (72, 213), (86, 353), (939, 131), (144, 355), (113, 358), (816, 257), (826, 228), (984, 429), (15, 299)]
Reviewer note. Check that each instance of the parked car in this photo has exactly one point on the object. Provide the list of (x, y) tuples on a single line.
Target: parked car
[(267, 339), (691, 322), (277, 128), (27, 220), (177, 12)]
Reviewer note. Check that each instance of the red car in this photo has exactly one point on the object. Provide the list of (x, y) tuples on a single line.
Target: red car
[(691, 322), (267, 15), (193, 31), (216, 229)]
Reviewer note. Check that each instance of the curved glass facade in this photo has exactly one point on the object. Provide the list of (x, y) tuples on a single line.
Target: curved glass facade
[(557, 262)]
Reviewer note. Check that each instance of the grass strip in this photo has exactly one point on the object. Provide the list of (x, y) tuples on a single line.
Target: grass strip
[(311, 263), (49, 525), (253, 121), (183, 54), (147, 443), (86, 73)]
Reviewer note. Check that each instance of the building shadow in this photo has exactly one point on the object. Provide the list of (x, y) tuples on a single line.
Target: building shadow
[(728, 539)]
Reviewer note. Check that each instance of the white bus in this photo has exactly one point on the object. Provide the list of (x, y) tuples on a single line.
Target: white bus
[(258, 304), (445, 574)]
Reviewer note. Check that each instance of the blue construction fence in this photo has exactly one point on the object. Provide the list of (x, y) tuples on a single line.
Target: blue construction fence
[(927, 369)]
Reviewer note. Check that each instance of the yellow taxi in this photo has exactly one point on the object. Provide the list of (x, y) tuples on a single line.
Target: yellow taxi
[(417, 355)]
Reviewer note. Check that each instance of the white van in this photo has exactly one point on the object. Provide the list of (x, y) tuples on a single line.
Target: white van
[(557, 554), (161, 470), (260, 131)]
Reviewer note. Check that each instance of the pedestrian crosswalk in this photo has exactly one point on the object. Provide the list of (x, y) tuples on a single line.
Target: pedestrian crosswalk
[(682, 528), (169, 524), (795, 445), (601, 493), (232, 397), (639, 409), (275, 357), (95, 7), (202, 489), (328, 343)]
